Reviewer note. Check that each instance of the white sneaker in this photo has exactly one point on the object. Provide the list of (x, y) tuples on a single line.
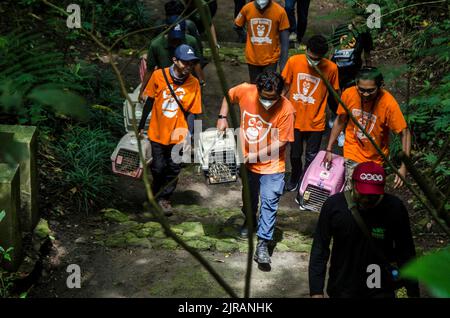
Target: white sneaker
[(341, 139), (292, 37)]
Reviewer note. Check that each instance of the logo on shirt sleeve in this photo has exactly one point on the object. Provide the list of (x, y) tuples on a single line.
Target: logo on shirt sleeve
[(306, 86), (260, 30), (255, 127)]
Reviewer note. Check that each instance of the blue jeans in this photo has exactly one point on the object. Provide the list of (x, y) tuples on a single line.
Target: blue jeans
[(298, 27), (268, 188)]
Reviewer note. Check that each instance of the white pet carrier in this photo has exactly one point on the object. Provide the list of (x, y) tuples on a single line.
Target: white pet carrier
[(218, 156), (128, 114), (125, 158)]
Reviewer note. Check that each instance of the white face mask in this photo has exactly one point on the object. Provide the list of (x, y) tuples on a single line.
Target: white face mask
[(312, 62), (267, 104), (261, 4)]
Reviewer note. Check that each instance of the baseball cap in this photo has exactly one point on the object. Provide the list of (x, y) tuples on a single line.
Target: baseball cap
[(369, 178), (178, 31), (185, 52)]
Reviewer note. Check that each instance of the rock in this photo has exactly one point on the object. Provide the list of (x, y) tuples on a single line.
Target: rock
[(230, 231), (81, 240), (167, 244), (243, 246), (191, 229), (144, 232), (116, 241), (129, 226), (200, 244), (226, 246), (280, 247), (153, 225), (212, 229), (140, 242), (177, 231), (300, 247), (114, 215), (159, 234), (42, 230)]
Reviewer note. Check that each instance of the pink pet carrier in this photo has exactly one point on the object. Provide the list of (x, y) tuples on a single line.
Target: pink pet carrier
[(319, 182)]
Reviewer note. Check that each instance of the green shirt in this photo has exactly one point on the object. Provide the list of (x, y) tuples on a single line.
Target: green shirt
[(160, 53)]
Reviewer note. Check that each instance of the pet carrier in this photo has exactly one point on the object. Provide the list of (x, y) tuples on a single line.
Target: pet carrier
[(319, 182), (218, 156), (125, 158), (127, 111)]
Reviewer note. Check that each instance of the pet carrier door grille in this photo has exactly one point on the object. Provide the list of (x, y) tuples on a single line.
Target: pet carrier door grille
[(314, 197)]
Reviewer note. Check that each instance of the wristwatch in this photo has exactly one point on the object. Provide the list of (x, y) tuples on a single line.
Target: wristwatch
[(221, 116)]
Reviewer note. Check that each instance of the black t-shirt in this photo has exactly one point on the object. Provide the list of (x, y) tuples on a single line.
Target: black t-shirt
[(351, 253), (348, 46)]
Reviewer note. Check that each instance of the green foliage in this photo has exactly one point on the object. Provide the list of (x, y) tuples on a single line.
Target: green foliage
[(33, 77), (6, 279), (83, 156), (432, 270)]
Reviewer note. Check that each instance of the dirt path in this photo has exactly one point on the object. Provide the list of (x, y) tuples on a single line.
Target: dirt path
[(132, 258)]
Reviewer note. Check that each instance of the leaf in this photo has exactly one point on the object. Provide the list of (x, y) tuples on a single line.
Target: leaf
[(2, 215), (65, 102), (433, 270)]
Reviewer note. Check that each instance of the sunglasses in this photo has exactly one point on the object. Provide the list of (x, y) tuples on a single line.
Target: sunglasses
[(367, 90)]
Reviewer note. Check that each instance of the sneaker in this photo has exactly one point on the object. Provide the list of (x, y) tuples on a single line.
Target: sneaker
[(292, 37), (243, 232), (262, 252), (341, 139), (290, 187), (166, 207), (300, 205)]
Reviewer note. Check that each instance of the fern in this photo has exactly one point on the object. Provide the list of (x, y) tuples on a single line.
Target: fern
[(30, 68)]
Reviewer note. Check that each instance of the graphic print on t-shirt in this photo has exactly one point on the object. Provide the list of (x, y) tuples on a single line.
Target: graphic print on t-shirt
[(260, 30), (169, 105), (255, 127), (367, 121), (346, 48), (306, 86)]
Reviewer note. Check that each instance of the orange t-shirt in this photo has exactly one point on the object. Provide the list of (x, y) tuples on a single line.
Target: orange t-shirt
[(168, 124), (308, 92), (259, 127), (377, 120), (263, 32)]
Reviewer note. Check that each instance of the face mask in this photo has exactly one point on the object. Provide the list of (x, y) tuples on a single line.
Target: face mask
[(267, 104), (261, 4), (312, 62), (177, 80)]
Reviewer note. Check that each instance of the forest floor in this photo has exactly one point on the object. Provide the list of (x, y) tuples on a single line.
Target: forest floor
[(123, 253)]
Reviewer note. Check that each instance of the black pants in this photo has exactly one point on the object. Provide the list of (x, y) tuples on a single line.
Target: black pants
[(313, 140), (255, 70), (164, 171), (302, 17), (346, 80)]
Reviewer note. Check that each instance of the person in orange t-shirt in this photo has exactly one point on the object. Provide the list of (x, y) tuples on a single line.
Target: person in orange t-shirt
[(267, 30), (168, 125), (379, 113), (267, 126), (308, 93)]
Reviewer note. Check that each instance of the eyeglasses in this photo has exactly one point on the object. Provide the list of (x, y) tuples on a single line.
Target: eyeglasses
[(367, 90)]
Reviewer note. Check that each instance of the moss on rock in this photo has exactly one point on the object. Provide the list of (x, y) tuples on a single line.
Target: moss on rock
[(42, 229), (114, 215)]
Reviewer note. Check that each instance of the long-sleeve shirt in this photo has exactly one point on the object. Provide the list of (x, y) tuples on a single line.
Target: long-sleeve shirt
[(352, 253)]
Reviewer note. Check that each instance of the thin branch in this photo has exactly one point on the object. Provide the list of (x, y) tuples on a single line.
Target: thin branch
[(235, 123)]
